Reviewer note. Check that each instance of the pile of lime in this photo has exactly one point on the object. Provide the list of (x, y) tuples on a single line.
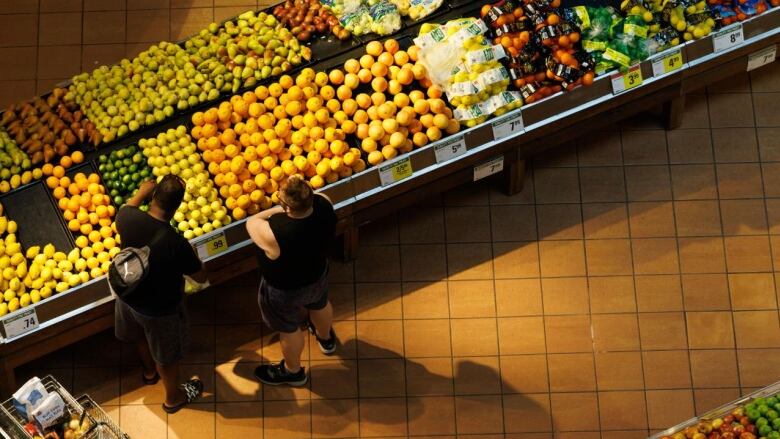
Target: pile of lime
[(123, 172), (765, 414)]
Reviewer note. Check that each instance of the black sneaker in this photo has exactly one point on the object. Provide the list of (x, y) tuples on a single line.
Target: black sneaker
[(326, 346), (277, 374), (193, 389)]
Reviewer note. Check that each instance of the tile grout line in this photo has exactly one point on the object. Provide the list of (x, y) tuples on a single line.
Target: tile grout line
[(37, 47), (587, 286), (357, 346), (633, 282), (725, 258), (766, 208), (680, 282), (541, 293), (449, 318), (403, 325), (495, 308), (449, 312)]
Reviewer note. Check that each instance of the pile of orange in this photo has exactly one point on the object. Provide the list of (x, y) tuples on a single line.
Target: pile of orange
[(76, 157), (294, 126), (398, 108), (88, 211)]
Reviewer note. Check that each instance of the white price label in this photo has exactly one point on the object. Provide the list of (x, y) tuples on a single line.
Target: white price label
[(489, 168), (728, 38), (668, 63), (449, 149), (396, 171), (20, 323), (213, 245), (762, 57), (507, 125)]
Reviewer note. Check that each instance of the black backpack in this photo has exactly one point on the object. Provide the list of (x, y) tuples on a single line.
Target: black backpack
[(130, 267)]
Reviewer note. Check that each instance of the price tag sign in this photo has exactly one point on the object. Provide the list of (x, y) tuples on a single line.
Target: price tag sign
[(213, 245), (668, 63), (21, 323), (489, 168), (728, 38), (762, 57), (626, 81), (396, 171), (507, 125), (449, 149)]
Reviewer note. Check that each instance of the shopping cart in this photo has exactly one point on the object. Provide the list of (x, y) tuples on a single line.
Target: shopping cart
[(101, 425)]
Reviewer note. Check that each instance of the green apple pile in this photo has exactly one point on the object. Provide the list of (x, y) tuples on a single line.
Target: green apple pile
[(123, 172), (765, 414), (244, 51), (173, 152)]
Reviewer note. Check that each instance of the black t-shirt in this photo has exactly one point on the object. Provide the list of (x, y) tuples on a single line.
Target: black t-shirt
[(304, 245), (171, 257)]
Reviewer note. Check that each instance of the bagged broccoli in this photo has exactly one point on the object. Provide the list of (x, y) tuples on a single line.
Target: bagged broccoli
[(385, 18)]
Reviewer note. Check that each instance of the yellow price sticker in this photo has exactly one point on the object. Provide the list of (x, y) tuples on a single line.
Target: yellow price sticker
[(626, 81), (213, 245), (632, 79), (396, 171), (673, 62), (667, 63)]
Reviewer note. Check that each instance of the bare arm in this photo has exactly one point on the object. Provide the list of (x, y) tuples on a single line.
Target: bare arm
[(260, 231), (142, 194)]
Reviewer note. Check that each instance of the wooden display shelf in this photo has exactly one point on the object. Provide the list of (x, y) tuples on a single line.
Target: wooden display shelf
[(360, 199)]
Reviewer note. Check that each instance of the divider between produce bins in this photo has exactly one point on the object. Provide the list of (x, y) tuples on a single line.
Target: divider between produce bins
[(762, 23), (38, 217)]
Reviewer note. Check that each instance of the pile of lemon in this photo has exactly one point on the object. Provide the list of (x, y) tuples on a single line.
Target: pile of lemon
[(28, 277)]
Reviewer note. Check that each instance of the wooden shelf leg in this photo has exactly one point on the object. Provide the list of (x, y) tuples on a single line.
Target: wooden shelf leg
[(513, 175), (7, 379), (349, 244), (673, 112)]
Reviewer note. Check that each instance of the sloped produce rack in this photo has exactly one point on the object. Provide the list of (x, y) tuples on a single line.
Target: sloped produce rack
[(500, 145)]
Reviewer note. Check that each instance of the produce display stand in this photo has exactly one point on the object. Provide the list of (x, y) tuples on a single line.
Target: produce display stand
[(83, 407), (725, 409), (499, 146)]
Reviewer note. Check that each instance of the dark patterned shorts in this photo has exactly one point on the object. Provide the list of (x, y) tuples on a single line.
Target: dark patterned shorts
[(288, 310)]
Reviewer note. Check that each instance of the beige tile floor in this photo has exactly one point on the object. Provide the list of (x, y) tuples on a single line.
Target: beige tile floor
[(630, 286)]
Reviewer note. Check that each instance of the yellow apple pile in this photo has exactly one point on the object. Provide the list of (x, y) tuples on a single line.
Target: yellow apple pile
[(173, 152)]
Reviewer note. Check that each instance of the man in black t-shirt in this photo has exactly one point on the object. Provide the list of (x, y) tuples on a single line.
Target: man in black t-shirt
[(293, 240), (153, 316)]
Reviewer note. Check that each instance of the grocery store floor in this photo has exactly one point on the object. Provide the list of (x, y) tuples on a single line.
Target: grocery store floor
[(630, 286)]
